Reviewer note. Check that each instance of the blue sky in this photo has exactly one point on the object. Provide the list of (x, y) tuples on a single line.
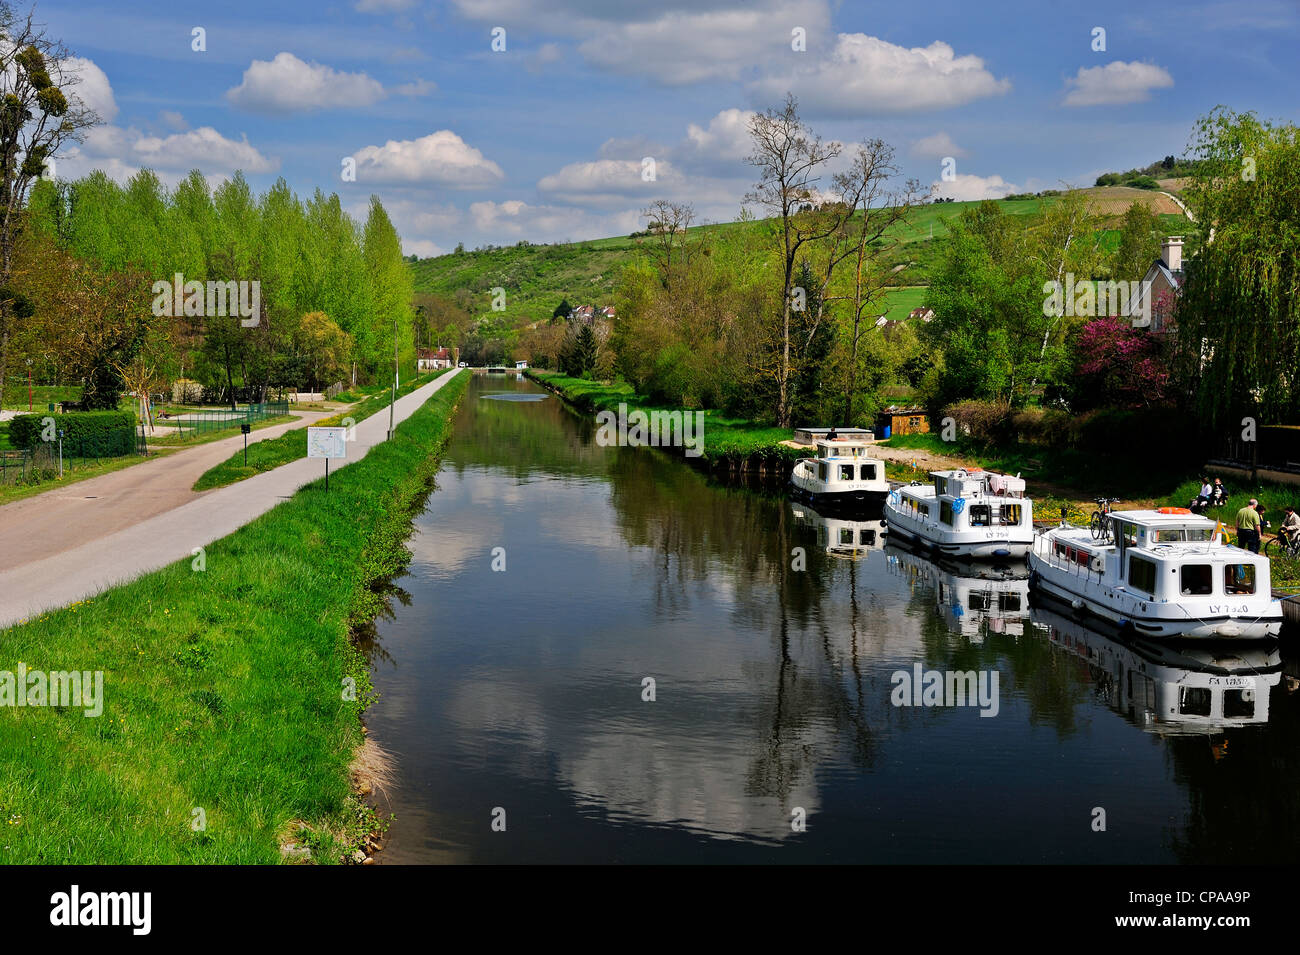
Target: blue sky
[(545, 140)]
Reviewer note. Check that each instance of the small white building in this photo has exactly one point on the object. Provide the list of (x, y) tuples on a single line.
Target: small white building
[(521, 365)]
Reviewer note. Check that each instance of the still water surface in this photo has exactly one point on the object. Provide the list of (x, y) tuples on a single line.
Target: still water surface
[(523, 689)]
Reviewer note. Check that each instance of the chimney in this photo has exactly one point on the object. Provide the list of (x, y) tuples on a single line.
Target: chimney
[(1172, 253)]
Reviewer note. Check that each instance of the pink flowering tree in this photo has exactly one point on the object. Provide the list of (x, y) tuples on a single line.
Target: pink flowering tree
[(1118, 366)]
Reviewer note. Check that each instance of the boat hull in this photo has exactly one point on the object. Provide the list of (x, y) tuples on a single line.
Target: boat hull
[(1045, 580), (980, 549)]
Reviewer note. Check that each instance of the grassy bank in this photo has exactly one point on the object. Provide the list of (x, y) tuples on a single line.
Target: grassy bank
[(223, 689), (730, 443), (268, 455)]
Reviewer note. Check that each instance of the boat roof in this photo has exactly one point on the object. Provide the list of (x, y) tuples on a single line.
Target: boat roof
[(843, 442), (1153, 518)]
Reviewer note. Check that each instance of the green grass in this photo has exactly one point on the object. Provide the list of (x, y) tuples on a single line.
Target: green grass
[(219, 693), (292, 445), (726, 441), (15, 395)]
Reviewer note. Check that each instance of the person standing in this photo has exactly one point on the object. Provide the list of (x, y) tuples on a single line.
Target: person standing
[(1248, 524)]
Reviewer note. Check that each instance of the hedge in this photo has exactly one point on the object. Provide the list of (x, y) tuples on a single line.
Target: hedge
[(88, 433)]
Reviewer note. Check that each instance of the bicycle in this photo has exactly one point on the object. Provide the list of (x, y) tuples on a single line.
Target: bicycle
[(1098, 523), (1279, 546)]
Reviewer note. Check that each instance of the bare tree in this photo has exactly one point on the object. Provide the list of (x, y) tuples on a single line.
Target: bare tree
[(790, 159), (670, 248), (36, 119), (867, 182)]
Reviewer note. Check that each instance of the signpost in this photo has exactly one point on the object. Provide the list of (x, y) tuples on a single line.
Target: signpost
[(327, 443), (245, 428)]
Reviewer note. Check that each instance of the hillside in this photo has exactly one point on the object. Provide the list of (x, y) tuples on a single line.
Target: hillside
[(537, 277)]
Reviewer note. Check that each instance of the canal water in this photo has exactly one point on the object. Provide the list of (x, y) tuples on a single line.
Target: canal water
[(554, 578)]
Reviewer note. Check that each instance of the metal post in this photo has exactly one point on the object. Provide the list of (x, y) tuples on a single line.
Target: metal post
[(60, 454), (394, 402), (327, 475)]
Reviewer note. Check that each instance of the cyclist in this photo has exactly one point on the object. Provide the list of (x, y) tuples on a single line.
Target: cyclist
[(1290, 529)]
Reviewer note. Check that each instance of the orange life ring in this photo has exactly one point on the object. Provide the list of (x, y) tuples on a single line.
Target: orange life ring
[(1172, 510)]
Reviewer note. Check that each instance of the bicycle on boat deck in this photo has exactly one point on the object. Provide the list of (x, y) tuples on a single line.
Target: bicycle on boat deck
[(1099, 524)]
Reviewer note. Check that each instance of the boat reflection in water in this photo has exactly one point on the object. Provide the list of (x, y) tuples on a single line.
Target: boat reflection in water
[(973, 597), (839, 535), (1171, 689)]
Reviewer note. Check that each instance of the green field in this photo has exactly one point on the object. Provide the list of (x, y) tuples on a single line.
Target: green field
[(537, 277), (228, 726)]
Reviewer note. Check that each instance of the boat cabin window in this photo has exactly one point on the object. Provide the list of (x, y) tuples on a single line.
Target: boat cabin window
[(1239, 579), (1239, 704), (868, 472), (1010, 514), (846, 535), (1197, 580), (980, 600), (1194, 700), (1128, 532), (821, 470), (1008, 601), (980, 515), (1199, 533), (1142, 574), (846, 472), (866, 537), (945, 513), (1167, 535)]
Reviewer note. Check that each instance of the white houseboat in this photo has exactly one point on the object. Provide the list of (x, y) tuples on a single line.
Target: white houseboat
[(843, 472), (841, 537), (964, 513), (1172, 689), (1165, 573)]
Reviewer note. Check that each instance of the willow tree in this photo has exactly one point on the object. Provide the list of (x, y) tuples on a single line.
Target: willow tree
[(38, 115), (1238, 316)]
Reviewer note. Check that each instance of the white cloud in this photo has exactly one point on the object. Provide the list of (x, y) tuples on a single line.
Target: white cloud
[(439, 159), (544, 56), (866, 75), (968, 188), (92, 87), (516, 219), (937, 147), (173, 120), (1115, 84), (201, 148), (422, 247), (287, 84), (416, 88), (726, 136), (693, 45), (610, 181)]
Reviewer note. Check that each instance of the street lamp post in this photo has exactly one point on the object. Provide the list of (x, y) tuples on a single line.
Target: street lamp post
[(393, 404), (29, 385)]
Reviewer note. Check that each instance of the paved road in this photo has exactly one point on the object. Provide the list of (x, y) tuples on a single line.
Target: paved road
[(116, 555), (63, 518)]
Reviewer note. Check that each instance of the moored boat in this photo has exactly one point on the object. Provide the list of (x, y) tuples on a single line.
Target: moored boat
[(964, 513), (843, 472), (839, 536), (1162, 573)]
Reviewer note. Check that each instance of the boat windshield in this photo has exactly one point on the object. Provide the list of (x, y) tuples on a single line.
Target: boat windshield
[(1170, 535)]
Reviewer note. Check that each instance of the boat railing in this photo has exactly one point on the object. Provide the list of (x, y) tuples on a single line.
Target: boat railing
[(1045, 548)]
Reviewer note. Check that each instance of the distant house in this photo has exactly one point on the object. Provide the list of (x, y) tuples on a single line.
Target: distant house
[(1163, 279), (430, 360), (922, 313), (521, 365), (902, 419)]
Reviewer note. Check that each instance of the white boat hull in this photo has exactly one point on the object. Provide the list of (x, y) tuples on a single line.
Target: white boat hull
[(1152, 618)]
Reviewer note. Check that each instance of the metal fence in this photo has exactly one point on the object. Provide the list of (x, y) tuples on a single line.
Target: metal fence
[(193, 423), (41, 463)]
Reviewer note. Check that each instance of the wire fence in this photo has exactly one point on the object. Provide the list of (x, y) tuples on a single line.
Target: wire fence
[(190, 424), (42, 463)]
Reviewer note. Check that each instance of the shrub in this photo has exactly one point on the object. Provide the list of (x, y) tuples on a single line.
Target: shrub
[(985, 421), (88, 433)]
